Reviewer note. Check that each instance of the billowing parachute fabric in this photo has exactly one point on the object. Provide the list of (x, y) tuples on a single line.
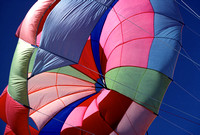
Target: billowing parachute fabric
[(91, 67)]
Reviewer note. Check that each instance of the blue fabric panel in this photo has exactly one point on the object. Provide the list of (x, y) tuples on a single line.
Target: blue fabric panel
[(168, 8), (166, 45), (67, 29), (168, 28), (95, 37), (48, 59), (54, 126), (163, 56), (32, 123), (99, 85)]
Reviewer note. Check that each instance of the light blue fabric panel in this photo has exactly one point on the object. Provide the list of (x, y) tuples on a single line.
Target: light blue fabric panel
[(166, 45), (163, 57), (66, 31), (167, 8)]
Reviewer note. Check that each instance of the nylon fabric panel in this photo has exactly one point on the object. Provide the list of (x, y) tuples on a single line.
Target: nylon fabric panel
[(163, 57), (171, 11), (34, 20), (95, 37), (76, 117), (113, 107), (87, 63), (102, 111), (8, 131), (136, 120), (134, 53), (44, 61), (3, 105), (121, 13), (67, 29), (17, 87), (144, 86), (127, 36), (166, 45), (68, 70), (54, 126), (18, 116)]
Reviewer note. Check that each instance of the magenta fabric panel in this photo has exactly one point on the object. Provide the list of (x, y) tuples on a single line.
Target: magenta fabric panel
[(126, 36), (133, 53)]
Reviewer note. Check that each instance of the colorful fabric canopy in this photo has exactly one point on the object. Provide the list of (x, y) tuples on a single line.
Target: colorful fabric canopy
[(91, 66)]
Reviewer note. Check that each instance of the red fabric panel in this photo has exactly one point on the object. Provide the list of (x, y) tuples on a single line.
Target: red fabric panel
[(8, 131), (17, 116), (33, 131), (2, 105), (103, 60), (113, 108), (97, 125), (92, 125), (105, 118), (73, 131), (87, 60)]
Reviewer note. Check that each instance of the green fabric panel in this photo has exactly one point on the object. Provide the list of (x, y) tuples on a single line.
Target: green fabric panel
[(17, 87), (145, 86), (68, 70), (30, 69)]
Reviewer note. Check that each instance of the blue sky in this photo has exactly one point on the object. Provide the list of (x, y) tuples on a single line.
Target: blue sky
[(186, 74)]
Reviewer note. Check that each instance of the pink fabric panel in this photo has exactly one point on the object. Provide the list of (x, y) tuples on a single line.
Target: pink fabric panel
[(136, 120), (40, 98), (114, 39), (69, 80), (139, 6), (53, 107), (120, 13), (92, 108), (74, 97), (31, 21), (43, 115), (75, 118), (137, 27), (67, 90), (37, 82), (114, 59), (104, 93), (110, 25), (38, 38), (134, 53), (120, 42)]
